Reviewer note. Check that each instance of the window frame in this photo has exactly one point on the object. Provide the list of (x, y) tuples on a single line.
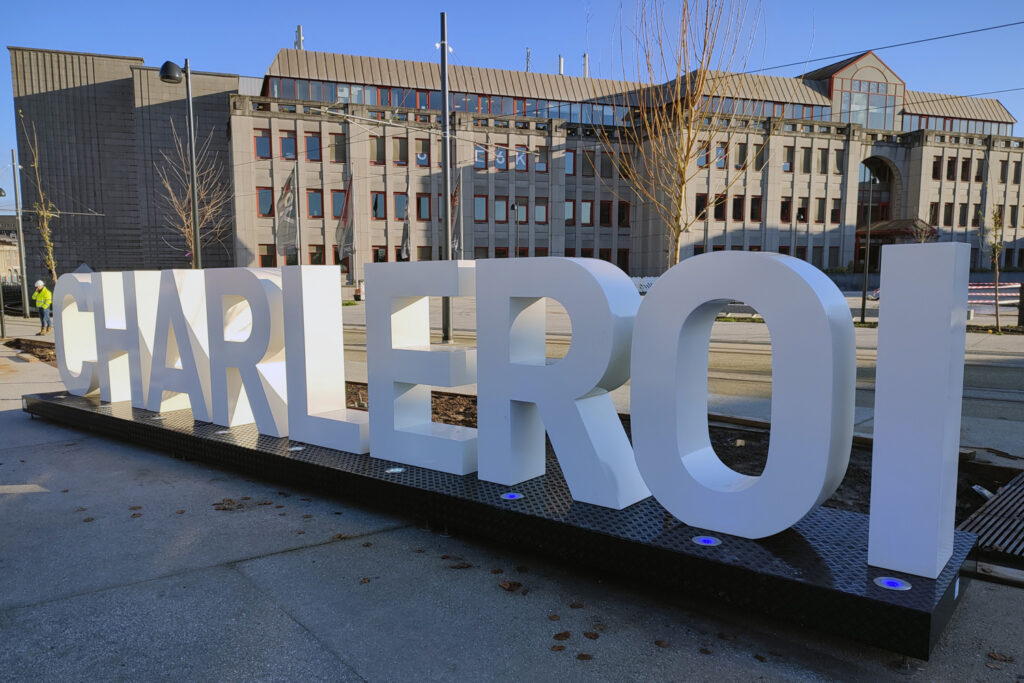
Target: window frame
[(760, 208), (476, 204), (417, 154), (522, 152), (498, 148), (721, 201), (265, 215), (284, 135), (377, 145), (589, 203), (260, 255), (788, 158), (497, 215), (319, 192), (742, 206), (334, 194), (383, 203), (317, 148), (700, 213), (539, 202), (310, 248), (338, 142), (606, 204), (419, 196), (269, 137), (396, 146), (541, 164), (619, 214), (479, 157), (570, 213), (570, 163), (394, 205)]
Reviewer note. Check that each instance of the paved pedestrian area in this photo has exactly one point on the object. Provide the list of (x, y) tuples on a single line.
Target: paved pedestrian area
[(121, 563)]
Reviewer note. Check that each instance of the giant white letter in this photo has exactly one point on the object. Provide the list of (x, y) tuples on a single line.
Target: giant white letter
[(813, 383), (74, 333), (402, 365), (247, 373), (317, 409), (520, 393), (918, 393)]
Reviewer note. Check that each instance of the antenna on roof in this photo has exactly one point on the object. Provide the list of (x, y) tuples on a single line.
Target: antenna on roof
[(561, 65), (527, 59), (299, 38), (586, 65)]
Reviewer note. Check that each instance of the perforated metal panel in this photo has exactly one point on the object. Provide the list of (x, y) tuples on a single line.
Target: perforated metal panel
[(815, 573)]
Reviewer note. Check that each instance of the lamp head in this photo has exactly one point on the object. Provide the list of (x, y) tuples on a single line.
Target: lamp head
[(170, 73)]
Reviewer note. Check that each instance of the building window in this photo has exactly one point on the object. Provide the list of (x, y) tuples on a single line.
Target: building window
[(702, 155), (936, 168), (501, 157), (623, 214), (288, 144), (587, 212), (376, 150), (379, 207), (604, 214), (755, 209), (501, 209), (540, 210), (701, 207), (1013, 217), (380, 253), (801, 209), (947, 214), (314, 203), (719, 209), (805, 159), (737, 207), (522, 206), (268, 256), (722, 155), (265, 201), (261, 141), (570, 212), (501, 252), (400, 151), (951, 168), (787, 159), (606, 164), (313, 147), (479, 157), (588, 163), (337, 203), (622, 260), (786, 209), (480, 208), (979, 171), (422, 207), (933, 214), (423, 152), (317, 254), (740, 160), (424, 254), (401, 206), (339, 153), (976, 217), (823, 161), (819, 210), (1004, 170), (760, 158), (962, 217), (836, 212), (522, 158), (965, 169), (570, 162), (1016, 173)]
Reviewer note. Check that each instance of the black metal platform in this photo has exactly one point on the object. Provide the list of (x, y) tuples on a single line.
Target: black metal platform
[(815, 574), (999, 525)]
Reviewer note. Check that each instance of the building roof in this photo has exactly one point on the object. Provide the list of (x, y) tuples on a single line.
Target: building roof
[(956, 106), (826, 72), (399, 73), (773, 88)]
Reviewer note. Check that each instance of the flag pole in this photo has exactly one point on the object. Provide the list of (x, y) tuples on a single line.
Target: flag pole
[(446, 175)]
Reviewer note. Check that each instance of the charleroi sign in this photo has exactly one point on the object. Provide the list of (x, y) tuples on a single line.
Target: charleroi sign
[(264, 346)]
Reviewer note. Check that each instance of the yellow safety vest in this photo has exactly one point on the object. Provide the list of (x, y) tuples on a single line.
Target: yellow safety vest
[(43, 298)]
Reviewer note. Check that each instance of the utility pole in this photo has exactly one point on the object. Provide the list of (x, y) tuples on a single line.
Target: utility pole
[(15, 170), (867, 252), (446, 176)]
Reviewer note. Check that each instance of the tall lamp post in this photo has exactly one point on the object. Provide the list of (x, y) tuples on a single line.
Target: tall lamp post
[(172, 73), (515, 217)]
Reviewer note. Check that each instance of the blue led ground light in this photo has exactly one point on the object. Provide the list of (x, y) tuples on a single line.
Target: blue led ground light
[(707, 540), (395, 470), (511, 496), (892, 584)]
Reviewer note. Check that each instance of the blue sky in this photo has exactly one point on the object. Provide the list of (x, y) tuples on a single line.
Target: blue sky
[(243, 38)]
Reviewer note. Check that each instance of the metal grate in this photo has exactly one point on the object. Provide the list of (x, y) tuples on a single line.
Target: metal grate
[(999, 525)]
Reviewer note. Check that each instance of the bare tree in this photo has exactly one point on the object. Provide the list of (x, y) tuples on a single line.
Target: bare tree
[(44, 209), (995, 239), (214, 196), (682, 93), (922, 232)]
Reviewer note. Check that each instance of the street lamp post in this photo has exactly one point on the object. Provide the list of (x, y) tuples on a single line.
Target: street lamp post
[(515, 217), (172, 73)]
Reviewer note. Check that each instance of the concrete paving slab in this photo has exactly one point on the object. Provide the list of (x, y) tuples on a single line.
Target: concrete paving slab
[(204, 625)]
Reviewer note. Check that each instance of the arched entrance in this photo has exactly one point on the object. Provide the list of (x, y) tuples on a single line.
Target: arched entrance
[(878, 190)]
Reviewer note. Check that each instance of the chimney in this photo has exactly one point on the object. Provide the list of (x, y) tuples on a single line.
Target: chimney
[(586, 65), (561, 65)]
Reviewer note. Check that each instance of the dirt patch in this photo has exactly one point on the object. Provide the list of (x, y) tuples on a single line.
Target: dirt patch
[(43, 350), (746, 450)]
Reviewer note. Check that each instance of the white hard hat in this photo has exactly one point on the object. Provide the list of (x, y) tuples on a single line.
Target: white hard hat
[(39, 283)]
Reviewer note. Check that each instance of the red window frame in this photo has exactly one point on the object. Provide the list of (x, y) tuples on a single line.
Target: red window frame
[(500, 217), (606, 205), (419, 215), (570, 162), (522, 152), (265, 215), (586, 202), (394, 158), (587, 252), (418, 164), (570, 252), (501, 252), (255, 147), (310, 192), (337, 138), (318, 148), (272, 254), (334, 203), (486, 213), (543, 160), (524, 204), (570, 214), (701, 214), (742, 206), (384, 202), (760, 209), (790, 151), (479, 153), (721, 200), (394, 199), (547, 210), (375, 140), (285, 136), (323, 253), (619, 217)]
